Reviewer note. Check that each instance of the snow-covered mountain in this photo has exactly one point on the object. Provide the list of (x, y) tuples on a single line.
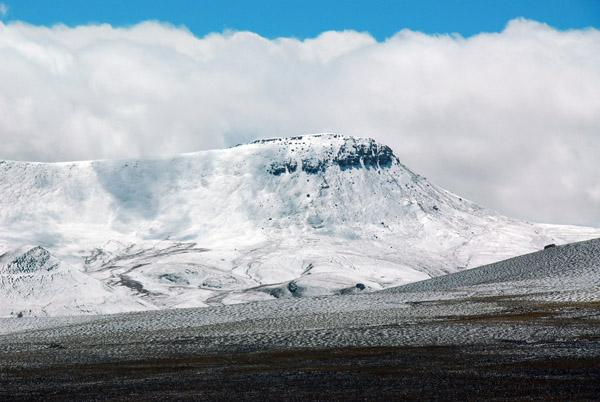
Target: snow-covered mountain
[(275, 218)]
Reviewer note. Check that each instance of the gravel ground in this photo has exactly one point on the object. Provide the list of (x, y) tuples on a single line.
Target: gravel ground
[(483, 349)]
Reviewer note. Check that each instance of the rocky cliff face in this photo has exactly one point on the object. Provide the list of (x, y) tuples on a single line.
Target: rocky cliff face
[(352, 154)]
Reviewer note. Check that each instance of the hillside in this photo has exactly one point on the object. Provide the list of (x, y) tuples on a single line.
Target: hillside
[(568, 273), (34, 282)]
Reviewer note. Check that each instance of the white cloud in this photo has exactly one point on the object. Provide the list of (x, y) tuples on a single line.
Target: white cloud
[(3, 9), (510, 120)]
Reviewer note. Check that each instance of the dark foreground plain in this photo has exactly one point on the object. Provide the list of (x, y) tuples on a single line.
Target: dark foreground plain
[(480, 337), (501, 373), (536, 352)]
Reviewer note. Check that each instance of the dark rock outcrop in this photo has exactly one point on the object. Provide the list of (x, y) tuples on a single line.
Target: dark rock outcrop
[(35, 259), (352, 154)]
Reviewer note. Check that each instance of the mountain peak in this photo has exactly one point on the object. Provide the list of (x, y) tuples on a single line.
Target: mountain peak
[(26, 260)]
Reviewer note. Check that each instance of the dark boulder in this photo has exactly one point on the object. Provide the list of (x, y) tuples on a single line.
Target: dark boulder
[(292, 287)]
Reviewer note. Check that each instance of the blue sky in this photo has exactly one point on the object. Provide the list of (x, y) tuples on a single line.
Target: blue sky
[(307, 18)]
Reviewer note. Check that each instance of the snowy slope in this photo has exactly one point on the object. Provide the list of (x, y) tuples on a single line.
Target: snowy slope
[(568, 276), (561, 274), (276, 218), (33, 282)]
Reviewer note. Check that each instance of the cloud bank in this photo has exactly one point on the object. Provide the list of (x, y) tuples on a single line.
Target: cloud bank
[(510, 120)]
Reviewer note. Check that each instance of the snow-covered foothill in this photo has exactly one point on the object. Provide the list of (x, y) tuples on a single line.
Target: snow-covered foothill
[(567, 273), (33, 283)]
